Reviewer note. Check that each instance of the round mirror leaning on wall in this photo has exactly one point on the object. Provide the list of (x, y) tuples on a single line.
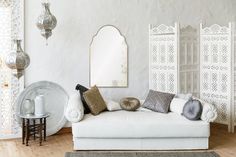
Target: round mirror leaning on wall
[(108, 58), (55, 99)]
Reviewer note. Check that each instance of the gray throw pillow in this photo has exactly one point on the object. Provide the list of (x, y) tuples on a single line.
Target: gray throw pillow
[(158, 101), (192, 110)]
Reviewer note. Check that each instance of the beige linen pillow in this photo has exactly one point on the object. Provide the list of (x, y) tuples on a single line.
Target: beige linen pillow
[(94, 100)]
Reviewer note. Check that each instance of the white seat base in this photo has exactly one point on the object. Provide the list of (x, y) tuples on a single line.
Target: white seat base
[(140, 144)]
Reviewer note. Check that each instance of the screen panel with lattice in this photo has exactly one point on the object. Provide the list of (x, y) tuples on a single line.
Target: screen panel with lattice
[(189, 61), (234, 49), (11, 27), (163, 58), (215, 69)]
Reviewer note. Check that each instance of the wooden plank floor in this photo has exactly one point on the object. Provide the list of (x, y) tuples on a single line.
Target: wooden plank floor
[(221, 141)]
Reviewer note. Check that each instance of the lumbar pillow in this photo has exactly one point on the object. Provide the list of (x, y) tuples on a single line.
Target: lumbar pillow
[(112, 105), (75, 110), (158, 101), (83, 89), (192, 110), (94, 100), (129, 104), (177, 105)]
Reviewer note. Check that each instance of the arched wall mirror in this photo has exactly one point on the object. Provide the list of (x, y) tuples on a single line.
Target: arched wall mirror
[(108, 58)]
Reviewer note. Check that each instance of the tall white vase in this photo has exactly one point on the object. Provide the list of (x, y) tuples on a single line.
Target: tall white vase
[(39, 105)]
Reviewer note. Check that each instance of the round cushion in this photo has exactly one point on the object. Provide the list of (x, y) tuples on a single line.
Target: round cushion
[(129, 104), (192, 109)]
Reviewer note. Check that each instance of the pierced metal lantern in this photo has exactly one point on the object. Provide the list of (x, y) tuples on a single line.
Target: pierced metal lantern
[(46, 22), (18, 60)]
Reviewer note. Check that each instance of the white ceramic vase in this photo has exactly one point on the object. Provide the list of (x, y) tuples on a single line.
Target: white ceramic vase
[(39, 103)]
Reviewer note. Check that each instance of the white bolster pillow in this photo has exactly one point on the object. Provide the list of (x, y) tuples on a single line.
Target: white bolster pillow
[(75, 110), (209, 112)]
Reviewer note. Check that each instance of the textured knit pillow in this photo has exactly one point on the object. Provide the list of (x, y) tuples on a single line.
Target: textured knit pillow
[(158, 101), (94, 100), (75, 110), (209, 112), (192, 110), (81, 90), (129, 104)]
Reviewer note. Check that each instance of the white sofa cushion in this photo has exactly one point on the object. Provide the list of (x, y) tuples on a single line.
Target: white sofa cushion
[(124, 124), (177, 105), (75, 110)]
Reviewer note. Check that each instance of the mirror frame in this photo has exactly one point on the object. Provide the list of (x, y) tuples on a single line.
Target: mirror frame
[(127, 59)]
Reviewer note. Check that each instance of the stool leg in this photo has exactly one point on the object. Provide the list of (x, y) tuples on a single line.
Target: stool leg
[(23, 131), (27, 132), (34, 128), (40, 132), (45, 128)]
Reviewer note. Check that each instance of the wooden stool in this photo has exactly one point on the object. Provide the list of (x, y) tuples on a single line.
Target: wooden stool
[(34, 125)]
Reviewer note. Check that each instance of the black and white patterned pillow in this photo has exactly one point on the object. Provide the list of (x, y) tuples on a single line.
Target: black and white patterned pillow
[(158, 101)]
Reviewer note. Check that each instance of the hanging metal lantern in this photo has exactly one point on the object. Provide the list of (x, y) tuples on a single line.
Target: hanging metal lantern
[(18, 60), (46, 22)]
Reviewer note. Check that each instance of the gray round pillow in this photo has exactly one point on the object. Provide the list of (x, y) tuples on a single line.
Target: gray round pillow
[(192, 109), (129, 104)]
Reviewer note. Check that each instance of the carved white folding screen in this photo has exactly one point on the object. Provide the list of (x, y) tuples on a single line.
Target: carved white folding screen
[(189, 61), (11, 27), (215, 69), (208, 72), (163, 58)]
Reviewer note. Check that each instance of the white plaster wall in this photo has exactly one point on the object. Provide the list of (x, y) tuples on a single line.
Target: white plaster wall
[(66, 59)]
